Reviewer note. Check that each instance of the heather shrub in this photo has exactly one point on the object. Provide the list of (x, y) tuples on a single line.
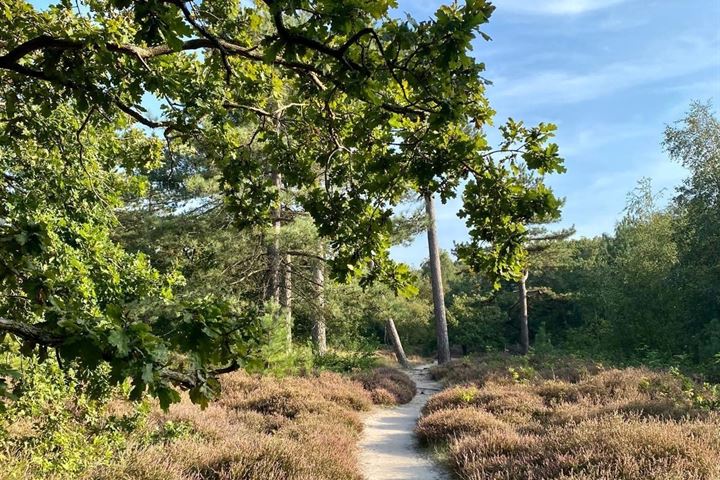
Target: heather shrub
[(503, 367), (510, 402), (388, 386), (616, 384), (605, 448), (445, 425), (557, 391), (381, 396), (339, 390), (138, 463), (628, 424), (262, 428), (459, 371), (460, 396)]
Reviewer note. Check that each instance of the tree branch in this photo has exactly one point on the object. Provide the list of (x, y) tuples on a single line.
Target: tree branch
[(29, 332), (39, 336)]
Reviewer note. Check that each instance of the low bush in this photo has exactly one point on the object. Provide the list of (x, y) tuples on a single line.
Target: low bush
[(592, 424), (388, 386), (262, 428), (608, 448), (460, 396), (445, 425), (501, 367), (505, 401), (346, 361)]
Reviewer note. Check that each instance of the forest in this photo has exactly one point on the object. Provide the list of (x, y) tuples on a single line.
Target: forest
[(197, 206)]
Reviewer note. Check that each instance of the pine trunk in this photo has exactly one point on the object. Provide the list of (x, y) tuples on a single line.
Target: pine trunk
[(524, 333), (443, 343)]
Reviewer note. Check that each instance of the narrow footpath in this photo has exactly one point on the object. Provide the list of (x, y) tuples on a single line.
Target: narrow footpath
[(389, 449)]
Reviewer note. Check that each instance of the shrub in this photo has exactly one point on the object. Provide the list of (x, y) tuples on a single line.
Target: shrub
[(445, 425), (461, 396), (508, 402), (629, 423), (502, 367), (346, 361), (602, 449), (262, 428), (388, 386)]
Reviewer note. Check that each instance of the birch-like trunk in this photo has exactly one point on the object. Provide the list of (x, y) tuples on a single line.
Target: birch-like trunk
[(319, 337), (524, 333), (286, 299), (273, 282)]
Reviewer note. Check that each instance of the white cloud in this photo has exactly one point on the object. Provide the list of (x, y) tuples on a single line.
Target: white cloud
[(556, 7), (556, 86), (589, 138)]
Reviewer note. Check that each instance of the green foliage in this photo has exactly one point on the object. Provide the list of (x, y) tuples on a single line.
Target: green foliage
[(647, 294), (56, 427), (356, 313), (475, 326), (543, 343), (351, 107), (347, 361)]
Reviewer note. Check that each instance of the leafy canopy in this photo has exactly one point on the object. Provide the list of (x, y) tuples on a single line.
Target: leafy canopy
[(350, 106)]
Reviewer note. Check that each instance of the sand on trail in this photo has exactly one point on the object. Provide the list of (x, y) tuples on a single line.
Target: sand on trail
[(389, 449)]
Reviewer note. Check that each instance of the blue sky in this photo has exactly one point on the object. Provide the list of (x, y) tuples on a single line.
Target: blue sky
[(610, 74)]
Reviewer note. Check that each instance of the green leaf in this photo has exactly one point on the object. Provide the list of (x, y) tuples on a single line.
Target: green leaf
[(271, 51), (166, 396), (120, 341), (148, 373)]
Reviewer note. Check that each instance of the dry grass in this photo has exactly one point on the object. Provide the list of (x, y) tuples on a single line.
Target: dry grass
[(629, 424), (262, 428)]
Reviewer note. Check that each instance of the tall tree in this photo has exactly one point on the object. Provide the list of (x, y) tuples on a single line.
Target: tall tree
[(373, 106), (541, 246), (441, 330), (286, 298), (694, 142), (319, 334)]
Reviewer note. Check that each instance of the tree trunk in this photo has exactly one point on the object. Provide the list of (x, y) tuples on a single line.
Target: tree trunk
[(318, 326), (273, 283), (524, 334), (397, 346), (286, 299), (443, 344)]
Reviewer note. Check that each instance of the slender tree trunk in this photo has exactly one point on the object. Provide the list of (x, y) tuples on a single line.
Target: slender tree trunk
[(443, 343), (273, 283), (286, 299), (397, 346), (524, 334), (318, 326)]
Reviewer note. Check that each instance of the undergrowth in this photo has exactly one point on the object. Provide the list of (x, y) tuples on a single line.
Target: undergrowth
[(511, 418), (263, 427)]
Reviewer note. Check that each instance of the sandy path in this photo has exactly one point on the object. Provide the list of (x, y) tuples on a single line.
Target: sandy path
[(389, 450)]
